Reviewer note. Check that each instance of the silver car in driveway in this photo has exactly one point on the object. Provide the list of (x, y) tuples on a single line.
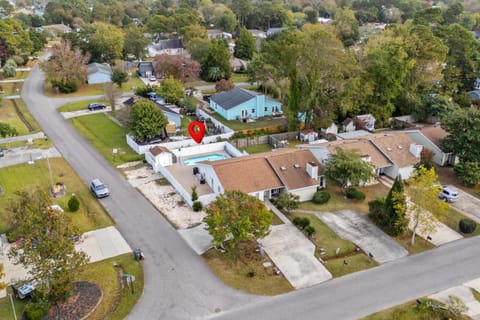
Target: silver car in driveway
[(99, 189), (449, 194)]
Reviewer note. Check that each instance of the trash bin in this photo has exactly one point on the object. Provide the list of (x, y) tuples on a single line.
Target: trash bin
[(137, 253)]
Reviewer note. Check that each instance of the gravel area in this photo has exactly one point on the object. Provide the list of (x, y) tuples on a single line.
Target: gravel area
[(138, 173), (167, 201)]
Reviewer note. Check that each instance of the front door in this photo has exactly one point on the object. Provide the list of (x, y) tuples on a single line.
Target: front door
[(244, 113)]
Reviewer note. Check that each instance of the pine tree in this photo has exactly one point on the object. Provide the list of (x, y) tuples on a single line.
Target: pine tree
[(396, 220)]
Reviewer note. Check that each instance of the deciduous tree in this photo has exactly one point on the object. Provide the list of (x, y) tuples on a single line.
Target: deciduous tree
[(66, 66), (244, 45), (171, 90), (47, 248), (105, 43), (348, 168), (6, 130), (215, 65), (288, 201), (224, 85), (119, 76), (236, 216), (424, 205), (146, 121), (135, 42), (180, 67)]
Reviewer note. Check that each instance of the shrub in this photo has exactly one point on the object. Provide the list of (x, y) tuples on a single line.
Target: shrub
[(194, 193), (353, 193), (38, 307), (376, 210), (301, 222), (309, 230), (19, 60), (73, 203), (197, 206), (251, 274), (68, 86), (10, 68), (321, 197), (467, 225)]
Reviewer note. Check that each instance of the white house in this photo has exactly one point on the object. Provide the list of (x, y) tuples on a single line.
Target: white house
[(267, 174), (332, 129), (390, 154), (157, 156), (308, 135)]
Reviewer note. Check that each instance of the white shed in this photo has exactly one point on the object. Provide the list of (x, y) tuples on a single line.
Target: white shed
[(157, 156)]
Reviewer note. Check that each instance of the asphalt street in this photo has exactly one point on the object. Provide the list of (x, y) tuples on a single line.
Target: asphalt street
[(179, 285)]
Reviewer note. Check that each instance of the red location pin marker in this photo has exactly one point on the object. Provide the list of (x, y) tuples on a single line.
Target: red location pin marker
[(196, 130)]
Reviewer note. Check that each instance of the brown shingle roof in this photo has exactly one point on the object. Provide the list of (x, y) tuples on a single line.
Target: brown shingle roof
[(434, 134), (396, 146), (365, 147), (155, 151), (262, 171)]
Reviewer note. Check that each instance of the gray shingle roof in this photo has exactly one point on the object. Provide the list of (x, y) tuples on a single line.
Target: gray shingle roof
[(99, 67), (230, 99)]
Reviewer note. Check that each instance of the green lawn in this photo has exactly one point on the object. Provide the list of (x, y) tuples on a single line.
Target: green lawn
[(452, 219), (239, 77), (37, 143), (233, 269), (95, 89), (91, 214), (339, 202), (257, 124), (257, 148), (79, 105), (410, 311), (116, 302), (420, 244), (105, 135), (324, 238), (11, 88), (9, 115)]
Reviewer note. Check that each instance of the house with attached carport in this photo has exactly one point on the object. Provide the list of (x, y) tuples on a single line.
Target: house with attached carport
[(238, 104), (390, 154), (99, 73)]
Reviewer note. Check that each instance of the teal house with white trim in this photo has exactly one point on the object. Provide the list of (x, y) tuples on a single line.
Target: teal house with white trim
[(240, 104)]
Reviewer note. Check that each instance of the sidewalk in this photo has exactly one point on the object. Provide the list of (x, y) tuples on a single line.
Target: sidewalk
[(39, 135)]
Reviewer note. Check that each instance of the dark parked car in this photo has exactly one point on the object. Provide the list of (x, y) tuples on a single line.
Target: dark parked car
[(1, 152), (96, 106), (99, 189)]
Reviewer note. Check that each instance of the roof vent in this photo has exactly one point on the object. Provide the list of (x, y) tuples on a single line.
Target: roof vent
[(400, 147), (283, 168), (296, 166), (389, 149)]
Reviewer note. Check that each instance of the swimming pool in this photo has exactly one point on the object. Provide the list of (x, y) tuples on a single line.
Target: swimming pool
[(208, 157)]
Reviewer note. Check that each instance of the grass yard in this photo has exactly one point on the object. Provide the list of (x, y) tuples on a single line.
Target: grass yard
[(452, 219), (37, 144), (9, 115), (339, 202), (329, 241), (411, 310), (257, 124), (116, 303), (259, 148), (11, 88), (105, 135), (420, 244), (244, 270), (79, 105), (91, 214), (239, 77)]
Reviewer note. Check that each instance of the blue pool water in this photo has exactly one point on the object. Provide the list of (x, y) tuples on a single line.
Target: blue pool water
[(208, 157)]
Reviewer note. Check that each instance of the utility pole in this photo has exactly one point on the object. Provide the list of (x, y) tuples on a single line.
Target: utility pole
[(50, 173)]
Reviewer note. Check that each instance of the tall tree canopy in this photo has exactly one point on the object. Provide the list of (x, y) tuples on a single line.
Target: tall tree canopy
[(66, 68), (47, 249), (146, 121), (245, 45), (13, 39), (237, 216), (348, 168), (180, 67), (215, 65), (103, 41), (135, 42)]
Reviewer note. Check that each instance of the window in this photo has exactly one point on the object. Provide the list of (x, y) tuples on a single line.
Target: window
[(253, 110), (265, 109)]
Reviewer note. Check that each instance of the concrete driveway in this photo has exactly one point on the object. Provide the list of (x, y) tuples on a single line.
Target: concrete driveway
[(468, 205), (353, 227), (294, 255), (19, 155)]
